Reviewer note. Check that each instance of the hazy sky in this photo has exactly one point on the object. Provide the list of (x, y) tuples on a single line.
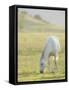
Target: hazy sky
[(53, 16)]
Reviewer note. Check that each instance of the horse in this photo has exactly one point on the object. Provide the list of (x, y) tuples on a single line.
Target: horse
[(51, 48)]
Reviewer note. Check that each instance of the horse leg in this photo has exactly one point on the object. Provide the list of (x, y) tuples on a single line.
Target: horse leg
[(55, 60), (49, 64)]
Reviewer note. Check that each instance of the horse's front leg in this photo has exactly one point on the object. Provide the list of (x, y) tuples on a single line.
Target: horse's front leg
[(55, 60), (49, 64)]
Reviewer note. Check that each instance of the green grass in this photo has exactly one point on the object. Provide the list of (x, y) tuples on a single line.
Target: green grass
[(30, 47)]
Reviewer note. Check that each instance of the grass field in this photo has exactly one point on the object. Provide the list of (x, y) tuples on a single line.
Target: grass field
[(32, 36), (30, 46)]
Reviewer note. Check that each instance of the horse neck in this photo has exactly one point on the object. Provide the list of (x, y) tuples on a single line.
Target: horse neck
[(45, 55)]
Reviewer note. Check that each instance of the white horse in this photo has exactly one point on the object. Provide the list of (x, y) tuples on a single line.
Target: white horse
[(51, 48)]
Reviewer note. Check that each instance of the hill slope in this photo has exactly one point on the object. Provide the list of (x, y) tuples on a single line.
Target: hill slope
[(29, 23)]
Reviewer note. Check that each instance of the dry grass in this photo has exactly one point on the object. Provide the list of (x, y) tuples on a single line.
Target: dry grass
[(30, 46)]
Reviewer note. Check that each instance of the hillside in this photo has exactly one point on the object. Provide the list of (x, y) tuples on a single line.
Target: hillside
[(29, 23)]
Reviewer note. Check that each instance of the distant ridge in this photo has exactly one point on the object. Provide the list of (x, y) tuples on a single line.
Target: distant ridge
[(27, 23)]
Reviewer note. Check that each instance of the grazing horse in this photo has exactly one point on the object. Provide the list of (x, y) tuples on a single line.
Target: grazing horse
[(51, 49)]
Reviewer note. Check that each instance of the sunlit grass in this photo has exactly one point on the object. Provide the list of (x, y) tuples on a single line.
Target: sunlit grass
[(30, 47)]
